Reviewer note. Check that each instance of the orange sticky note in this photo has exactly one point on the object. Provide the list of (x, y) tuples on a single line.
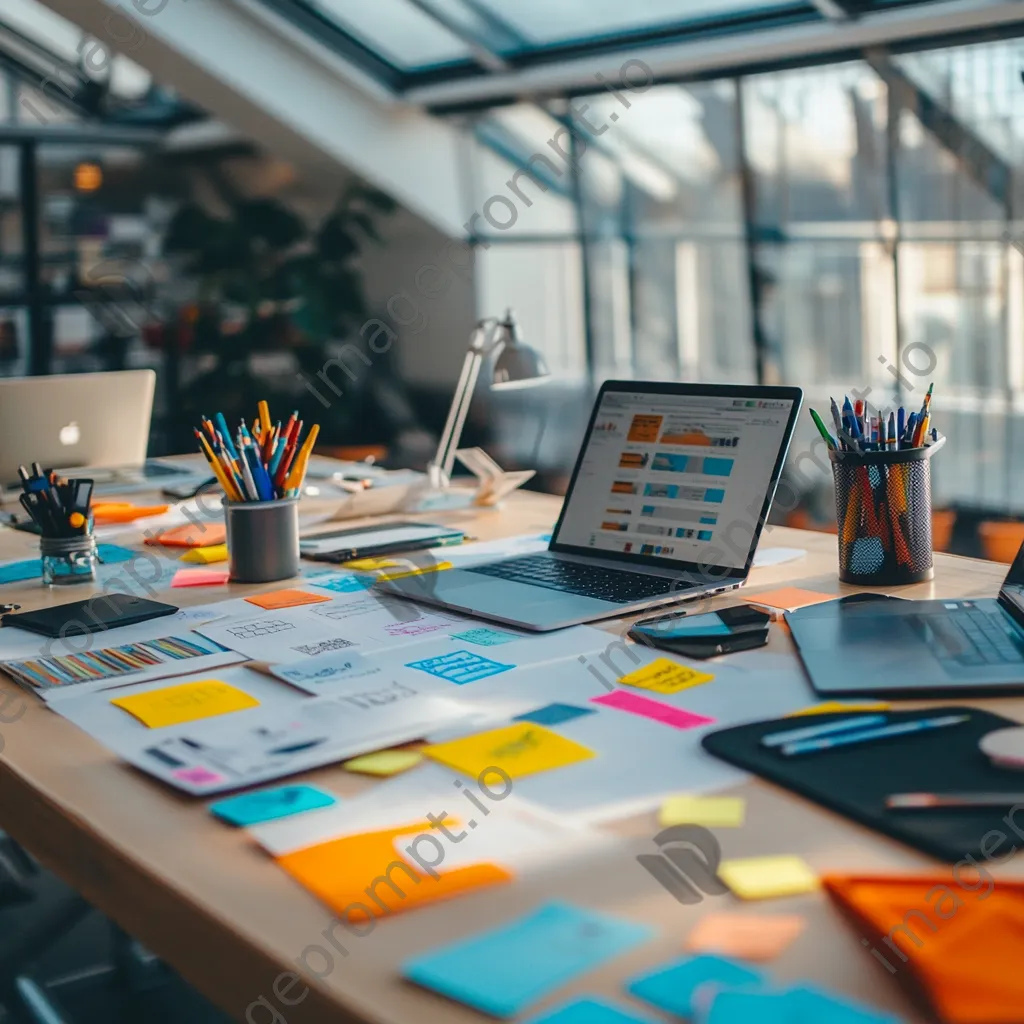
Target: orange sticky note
[(197, 535), (788, 599), (366, 875), (199, 577), (745, 936), (277, 599)]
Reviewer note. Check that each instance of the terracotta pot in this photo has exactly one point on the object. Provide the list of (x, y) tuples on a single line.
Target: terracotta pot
[(1001, 541)]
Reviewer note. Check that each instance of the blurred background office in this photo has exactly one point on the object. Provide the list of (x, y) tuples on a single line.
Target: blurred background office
[(314, 200)]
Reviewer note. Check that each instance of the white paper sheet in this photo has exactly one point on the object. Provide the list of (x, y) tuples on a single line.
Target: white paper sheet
[(361, 620), (777, 556), (288, 733)]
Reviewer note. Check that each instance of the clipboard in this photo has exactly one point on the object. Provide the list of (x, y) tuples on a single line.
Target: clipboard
[(855, 780)]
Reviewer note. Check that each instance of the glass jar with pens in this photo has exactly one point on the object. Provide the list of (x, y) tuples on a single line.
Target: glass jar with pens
[(261, 471), (881, 464), (61, 511)]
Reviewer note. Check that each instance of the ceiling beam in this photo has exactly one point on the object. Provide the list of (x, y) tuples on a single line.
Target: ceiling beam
[(727, 55)]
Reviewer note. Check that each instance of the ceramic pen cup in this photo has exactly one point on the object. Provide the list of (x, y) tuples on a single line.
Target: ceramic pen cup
[(884, 511), (263, 540)]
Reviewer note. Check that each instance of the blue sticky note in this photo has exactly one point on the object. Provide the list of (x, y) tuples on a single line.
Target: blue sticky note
[(484, 637), (671, 988), (813, 1004), (269, 804), (343, 583), (15, 572), (460, 667), (111, 554), (503, 971), (591, 1011), (552, 714), (736, 1006)]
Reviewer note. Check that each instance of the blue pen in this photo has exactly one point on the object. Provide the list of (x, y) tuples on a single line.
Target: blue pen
[(869, 735), (780, 739), (222, 429), (901, 426), (264, 487), (911, 427), (851, 417)]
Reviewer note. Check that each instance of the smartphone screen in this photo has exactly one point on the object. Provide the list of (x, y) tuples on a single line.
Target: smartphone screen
[(728, 622)]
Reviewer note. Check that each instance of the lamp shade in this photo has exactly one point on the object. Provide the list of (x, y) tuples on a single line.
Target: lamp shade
[(519, 366)]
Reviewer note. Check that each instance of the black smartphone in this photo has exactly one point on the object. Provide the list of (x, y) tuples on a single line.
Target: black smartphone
[(95, 614), (746, 641), (705, 635)]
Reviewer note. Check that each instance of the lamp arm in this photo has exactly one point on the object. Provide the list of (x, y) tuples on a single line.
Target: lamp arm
[(445, 458), (480, 345)]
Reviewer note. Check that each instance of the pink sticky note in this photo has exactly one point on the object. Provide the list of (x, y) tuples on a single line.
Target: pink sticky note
[(197, 776), (199, 577), (653, 709)]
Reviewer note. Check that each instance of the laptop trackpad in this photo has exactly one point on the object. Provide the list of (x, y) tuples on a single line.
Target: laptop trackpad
[(504, 599)]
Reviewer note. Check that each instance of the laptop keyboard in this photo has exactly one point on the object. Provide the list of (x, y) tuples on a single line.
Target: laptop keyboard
[(616, 585), (977, 638)]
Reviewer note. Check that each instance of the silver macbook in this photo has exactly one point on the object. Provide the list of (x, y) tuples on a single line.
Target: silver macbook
[(67, 421), (667, 501)]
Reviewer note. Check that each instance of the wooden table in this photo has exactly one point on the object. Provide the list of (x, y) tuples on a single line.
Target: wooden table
[(214, 906)]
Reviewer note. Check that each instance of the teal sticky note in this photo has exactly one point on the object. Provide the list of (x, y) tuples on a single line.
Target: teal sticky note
[(591, 1011), (111, 554), (485, 637), (16, 572), (269, 804), (736, 1006), (672, 987), (503, 971), (814, 1004)]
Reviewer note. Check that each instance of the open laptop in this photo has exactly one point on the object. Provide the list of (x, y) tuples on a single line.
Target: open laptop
[(68, 421), (670, 492), (916, 648)]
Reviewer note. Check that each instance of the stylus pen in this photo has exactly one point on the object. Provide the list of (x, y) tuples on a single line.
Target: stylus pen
[(927, 801), (812, 732), (869, 735)]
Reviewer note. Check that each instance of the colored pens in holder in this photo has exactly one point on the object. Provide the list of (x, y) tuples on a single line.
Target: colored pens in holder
[(884, 511)]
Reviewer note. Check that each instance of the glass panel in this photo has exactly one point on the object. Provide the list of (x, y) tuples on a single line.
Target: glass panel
[(543, 22), (12, 253), (543, 283), (816, 144), (398, 30), (521, 183), (14, 341)]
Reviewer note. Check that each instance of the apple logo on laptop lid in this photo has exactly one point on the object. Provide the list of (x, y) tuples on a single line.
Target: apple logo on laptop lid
[(70, 434)]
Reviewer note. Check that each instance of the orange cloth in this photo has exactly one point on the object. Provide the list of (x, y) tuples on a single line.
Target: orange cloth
[(963, 944), (365, 874)]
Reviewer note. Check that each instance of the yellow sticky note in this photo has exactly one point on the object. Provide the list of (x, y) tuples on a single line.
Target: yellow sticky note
[(709, 811), (185, 702), (207, 556), (384, 762), (666, 676), (517, 750), (420, 570), (762, 878), (745, 937), (838, 707), (369, 564)]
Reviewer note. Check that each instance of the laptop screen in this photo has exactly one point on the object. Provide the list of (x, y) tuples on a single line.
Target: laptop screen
[(677, 477)]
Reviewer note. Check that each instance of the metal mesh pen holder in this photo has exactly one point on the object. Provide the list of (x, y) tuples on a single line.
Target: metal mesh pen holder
[(884, 511)]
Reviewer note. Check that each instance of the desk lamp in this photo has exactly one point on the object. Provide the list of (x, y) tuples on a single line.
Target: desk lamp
[(517, 366)]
